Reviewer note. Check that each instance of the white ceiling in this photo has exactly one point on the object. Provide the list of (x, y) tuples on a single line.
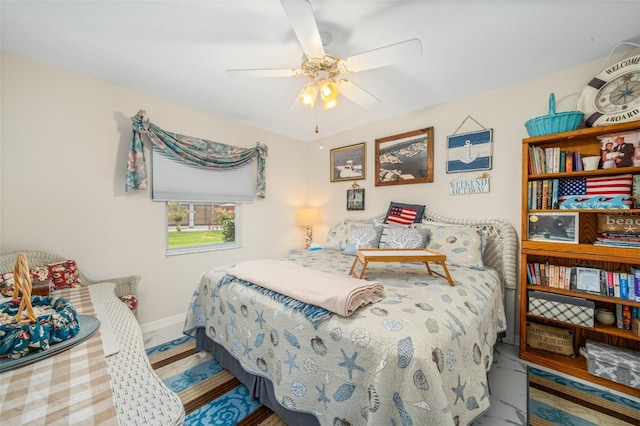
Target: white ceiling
[(179, 50)]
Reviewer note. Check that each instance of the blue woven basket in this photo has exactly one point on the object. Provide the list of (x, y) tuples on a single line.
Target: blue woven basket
[(554, 122)]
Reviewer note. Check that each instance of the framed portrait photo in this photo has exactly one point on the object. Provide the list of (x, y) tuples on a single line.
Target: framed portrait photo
[(619, 150), (405, 158), (553, 227), (348, 162), (355, 199)]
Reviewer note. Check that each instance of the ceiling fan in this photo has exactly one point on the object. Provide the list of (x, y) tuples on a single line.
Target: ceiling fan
[(328, 72)]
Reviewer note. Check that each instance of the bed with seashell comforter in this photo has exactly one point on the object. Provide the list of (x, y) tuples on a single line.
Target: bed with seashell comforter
[(419, 356)]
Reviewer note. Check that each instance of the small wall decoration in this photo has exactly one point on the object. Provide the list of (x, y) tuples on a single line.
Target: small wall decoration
[(405, 158), (355, 198), (470, 151), (553, 227), (348, 162), (469, 186)]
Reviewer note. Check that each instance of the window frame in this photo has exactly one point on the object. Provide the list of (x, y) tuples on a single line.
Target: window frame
[(208, 247)]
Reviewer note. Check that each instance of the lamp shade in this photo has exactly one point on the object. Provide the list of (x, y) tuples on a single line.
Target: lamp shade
[(308, 217)]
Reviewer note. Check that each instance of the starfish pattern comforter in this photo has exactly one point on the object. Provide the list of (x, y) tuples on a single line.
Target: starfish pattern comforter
[(420, 356)]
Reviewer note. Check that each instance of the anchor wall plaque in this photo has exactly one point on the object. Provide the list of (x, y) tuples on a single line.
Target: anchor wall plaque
[(469, 152)]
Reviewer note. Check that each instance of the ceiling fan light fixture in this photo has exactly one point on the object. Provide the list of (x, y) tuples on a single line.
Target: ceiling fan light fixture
[(329, 103), (328, 90), (309, 94)]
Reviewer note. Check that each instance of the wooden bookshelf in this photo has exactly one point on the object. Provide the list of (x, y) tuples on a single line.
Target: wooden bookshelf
[(583, 253)]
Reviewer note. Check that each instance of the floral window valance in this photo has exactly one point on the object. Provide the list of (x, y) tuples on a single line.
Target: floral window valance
[(194, 151)]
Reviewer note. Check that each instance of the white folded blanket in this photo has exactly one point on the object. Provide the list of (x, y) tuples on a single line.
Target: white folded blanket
[(341, 295)]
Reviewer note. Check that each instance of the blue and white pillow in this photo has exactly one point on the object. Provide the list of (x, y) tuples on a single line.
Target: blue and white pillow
[(462, 244), (407, 238), (362, 237), (337, 236)]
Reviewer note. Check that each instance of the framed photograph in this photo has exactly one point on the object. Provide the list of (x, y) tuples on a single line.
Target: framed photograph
[(348, 162), (619, 150), (588, 279), (405, 158), (553, 227), (355, 199), (469, 151)]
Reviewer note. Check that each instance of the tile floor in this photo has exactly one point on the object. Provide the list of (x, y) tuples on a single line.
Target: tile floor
[(507, 380)]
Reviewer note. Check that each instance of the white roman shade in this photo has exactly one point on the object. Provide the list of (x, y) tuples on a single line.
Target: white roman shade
[(174, 180)]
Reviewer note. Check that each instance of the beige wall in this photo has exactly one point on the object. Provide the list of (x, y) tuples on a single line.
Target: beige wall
[(64, 145), (504, 110)]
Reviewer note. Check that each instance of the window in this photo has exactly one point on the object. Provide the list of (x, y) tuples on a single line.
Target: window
[(194, 227)]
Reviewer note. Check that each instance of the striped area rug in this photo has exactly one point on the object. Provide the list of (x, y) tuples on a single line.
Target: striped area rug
[(556, 400), (210, 394)]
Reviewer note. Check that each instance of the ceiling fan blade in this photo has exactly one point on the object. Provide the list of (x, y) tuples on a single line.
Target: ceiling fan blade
[(383, 56), (358, 94), (264, 73), (304, 26)]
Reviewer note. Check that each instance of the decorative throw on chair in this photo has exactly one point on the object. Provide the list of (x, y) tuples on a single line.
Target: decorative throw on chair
[(191, 150)]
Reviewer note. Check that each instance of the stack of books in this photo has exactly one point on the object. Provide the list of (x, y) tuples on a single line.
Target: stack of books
[(612, 239)]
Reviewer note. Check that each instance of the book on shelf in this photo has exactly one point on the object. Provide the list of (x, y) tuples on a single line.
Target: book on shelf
[(619, 320), (610, 286), (568, 162), (624, 285), (577, 161), (616, 284), (635, 191)]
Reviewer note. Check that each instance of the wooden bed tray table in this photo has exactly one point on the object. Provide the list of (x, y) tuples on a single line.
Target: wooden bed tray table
[(364, 256)]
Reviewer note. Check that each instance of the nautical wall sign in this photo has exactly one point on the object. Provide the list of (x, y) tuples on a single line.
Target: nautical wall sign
[(468, 152), (469, 186)]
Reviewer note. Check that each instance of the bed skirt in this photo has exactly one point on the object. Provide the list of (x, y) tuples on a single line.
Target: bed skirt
[(259, 388)]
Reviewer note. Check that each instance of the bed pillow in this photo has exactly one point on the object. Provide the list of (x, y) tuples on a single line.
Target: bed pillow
[(337, 236), (408, 238), (362, 237), (404, 214), (462, 244)]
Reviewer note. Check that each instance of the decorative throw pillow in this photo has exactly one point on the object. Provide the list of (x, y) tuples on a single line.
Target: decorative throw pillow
[(64, 274), (37, 273), (130, 300), (6, 284), (462, 244), (401, 237), (362, 237), (40, 273), (337, 236), (404, 214)]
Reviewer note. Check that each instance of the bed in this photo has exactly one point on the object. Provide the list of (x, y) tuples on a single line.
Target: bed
[(418, 356)]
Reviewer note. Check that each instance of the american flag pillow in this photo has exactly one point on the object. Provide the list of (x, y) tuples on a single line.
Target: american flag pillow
[(609, 186), (401, 215)]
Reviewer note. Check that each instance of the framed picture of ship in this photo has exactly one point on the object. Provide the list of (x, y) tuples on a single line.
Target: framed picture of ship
[(348, 162), (405, 158)]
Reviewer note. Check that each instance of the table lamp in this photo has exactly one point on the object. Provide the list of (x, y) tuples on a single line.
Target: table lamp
[(308, 217)]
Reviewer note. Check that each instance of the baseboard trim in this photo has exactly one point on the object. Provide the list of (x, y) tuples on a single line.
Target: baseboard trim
[(161, 323)]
